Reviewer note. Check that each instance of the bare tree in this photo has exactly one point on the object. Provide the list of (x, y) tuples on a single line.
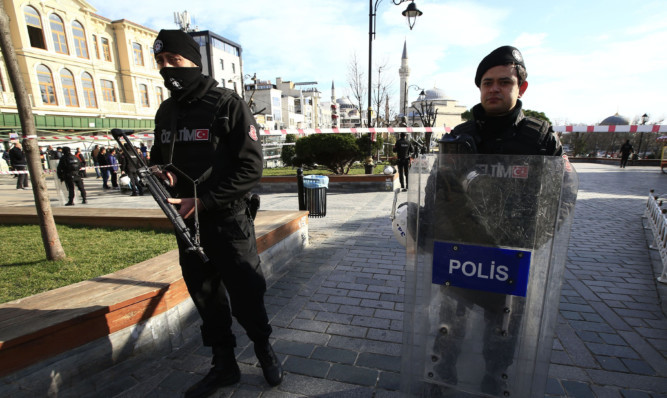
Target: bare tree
[(428, 117), (355, 79), (50, 238), (381, 92)]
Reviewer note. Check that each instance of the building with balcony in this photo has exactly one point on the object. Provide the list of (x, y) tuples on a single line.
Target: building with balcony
[(266, 104)]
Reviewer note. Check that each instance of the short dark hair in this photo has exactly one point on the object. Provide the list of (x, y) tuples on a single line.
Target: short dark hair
[(521, 73)]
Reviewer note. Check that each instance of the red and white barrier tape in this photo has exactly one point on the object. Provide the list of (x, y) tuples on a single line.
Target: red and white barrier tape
[(51, 171), (628, 128), (654, 128)]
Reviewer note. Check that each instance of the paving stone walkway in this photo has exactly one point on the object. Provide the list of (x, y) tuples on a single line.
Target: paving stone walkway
[(336, 310)]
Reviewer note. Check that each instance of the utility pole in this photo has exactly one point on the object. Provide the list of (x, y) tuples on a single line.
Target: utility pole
[(50, 238)]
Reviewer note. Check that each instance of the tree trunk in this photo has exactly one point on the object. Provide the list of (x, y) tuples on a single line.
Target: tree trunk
[(50, 238)]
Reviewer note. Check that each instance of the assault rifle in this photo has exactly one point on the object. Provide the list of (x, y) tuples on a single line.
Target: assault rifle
[(147, 178)]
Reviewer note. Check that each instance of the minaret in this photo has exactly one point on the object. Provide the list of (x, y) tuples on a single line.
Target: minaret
[(404, 73), (335, 121)]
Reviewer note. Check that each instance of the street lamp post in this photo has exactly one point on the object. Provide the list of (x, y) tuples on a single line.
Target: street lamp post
[(405, 97), (641, 135), (411, 13), (250, 101)]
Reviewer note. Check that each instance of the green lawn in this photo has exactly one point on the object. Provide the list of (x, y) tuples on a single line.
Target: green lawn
[(91, 252)]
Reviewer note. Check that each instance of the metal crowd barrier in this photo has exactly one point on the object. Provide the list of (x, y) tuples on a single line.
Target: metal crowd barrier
[(657, 219)]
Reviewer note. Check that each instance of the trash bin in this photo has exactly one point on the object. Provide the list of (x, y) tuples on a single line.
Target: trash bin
[(315, 194)]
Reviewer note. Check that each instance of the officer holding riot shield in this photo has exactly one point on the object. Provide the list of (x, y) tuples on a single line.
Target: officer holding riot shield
[(483, 233), (499, 125)]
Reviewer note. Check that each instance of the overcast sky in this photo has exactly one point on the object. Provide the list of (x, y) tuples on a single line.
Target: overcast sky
[(586, 60)]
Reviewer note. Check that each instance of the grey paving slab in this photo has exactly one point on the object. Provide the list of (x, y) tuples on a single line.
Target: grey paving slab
[(337, 307)]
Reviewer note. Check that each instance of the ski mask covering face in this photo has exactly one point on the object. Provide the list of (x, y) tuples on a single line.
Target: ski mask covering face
[(179, 79)]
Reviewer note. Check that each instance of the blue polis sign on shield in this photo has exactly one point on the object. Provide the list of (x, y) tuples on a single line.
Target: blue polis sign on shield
[(488, 269)]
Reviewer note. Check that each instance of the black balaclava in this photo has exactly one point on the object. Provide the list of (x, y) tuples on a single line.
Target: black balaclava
[(179, 79)]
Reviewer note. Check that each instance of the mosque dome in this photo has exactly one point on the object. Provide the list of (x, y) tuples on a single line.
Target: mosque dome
[(615, 120), (435, 94), (345, 102)]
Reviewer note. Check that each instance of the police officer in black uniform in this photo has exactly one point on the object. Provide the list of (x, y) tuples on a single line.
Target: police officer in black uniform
[(499, 125), (207, 140), (68, 172), (403, 150)]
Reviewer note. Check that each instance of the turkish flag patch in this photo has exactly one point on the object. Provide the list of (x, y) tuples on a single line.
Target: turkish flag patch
[(253, 133), (201, 135), (519, 171)]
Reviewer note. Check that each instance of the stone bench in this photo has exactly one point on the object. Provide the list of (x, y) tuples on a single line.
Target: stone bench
[(81, 329)]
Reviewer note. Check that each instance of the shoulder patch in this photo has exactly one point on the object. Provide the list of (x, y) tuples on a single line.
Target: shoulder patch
[(253, 133)]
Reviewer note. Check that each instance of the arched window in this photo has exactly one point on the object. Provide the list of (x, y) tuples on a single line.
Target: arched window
[(80, 44), (69, 88), (143, 92), (160, 95), (138, 54), (34, 24), (46, 87), (108, 92), (88, 90), (58, 33)]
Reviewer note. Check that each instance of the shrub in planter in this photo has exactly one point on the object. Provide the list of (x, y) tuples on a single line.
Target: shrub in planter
[(336, 152)]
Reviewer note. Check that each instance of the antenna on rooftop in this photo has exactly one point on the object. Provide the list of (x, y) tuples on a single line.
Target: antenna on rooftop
[(182, 19)]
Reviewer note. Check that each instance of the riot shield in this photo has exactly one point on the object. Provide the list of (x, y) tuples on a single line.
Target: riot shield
[(487, 244)]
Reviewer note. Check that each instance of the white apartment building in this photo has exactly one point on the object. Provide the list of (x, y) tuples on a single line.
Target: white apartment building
[(222, 59)]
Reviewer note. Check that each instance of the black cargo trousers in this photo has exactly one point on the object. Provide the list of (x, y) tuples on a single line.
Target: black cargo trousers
[(233, 271)]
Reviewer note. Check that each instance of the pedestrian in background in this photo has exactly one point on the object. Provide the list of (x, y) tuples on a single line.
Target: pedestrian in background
[(105, 170), (82, 161), (20, 165), (131, 173), (403, 148), (68, 170), (144, 150), (113, 169), (51, 153), (93, 155), (626, 150)]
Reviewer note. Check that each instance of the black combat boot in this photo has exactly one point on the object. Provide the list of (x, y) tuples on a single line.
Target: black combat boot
[(273, 371), (70, 203), (225, 372), (84, 201)]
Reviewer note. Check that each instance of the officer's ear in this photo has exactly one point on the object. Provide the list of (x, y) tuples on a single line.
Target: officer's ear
[(522, 88)]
